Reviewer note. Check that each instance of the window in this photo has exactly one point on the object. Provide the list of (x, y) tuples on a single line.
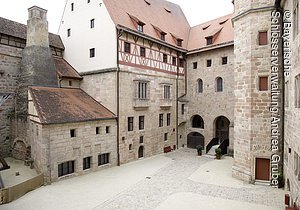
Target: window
[(181, 63), (182, 108), (130, 123), (167, 92), (168, 119), (141, 139), (161, 120), (208, 63), (286, 94), (141, 122), (92, 52), (224, 60), (88, 1), (72, 6), (140, 27), (174, 61), (219, 84), (179, 42), (127, 47), (163, 36), (297, 91), (103, 159), (107, 129), (296, 18), (200, 86), (70, 83), (263, 83), (92, 23), (263, 38), (165, 58), (197, 122), (130, 147), (69, 32), (97, 130), (209, 40), (195, 65), (73, 133), (142, 90), (166, 137), (87, 163), (66, 168), (142, 52)]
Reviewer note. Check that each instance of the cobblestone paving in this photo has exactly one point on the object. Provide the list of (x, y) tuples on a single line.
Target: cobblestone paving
[(150, 192)]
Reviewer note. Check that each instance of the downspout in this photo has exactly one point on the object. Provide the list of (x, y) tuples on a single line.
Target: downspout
[(177, 77), (119, 34)]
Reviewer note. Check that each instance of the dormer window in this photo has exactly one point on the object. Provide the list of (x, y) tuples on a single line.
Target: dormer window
[(209, 40), (140, 27), (179, 42), (147, 2), (163, 36)]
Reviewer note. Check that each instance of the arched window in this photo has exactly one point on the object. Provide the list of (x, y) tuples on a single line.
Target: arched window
[(200, 86), (197, 122), (219, 85)]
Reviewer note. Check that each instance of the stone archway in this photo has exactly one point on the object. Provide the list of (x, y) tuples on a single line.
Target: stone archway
[(141, 152), (194, 139), (19, 149), (222, 128)]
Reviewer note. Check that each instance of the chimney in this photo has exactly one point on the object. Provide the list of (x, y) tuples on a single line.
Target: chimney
[(37, 65)]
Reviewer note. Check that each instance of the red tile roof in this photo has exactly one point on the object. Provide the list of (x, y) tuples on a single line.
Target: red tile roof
[(221, 29), (63, 105), (65, 70), (166, 16)]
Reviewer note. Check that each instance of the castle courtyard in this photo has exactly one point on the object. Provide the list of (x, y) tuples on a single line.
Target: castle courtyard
[(177, 180)]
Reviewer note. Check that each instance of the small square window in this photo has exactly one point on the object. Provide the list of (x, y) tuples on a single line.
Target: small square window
[(92, 52), (87, 163), (166, 137), (179, 42), (103, 159), (181, 63), (224, 60), (127, 47), (209, 40), (107, 129), (263, 38), (73, 133), (165, 58), (141, 139), (195, 65), (140, 27), (208, 63), (88, 1), (142, 52), (163, 36), (97, 130), (92, 23), (263, 83), (174, 61), (69, 32)]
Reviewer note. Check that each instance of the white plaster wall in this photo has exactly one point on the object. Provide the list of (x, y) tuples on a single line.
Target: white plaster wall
[(102, 37)]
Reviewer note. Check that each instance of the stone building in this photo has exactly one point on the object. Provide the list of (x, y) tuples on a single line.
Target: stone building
[(168, 85), (50, 122)]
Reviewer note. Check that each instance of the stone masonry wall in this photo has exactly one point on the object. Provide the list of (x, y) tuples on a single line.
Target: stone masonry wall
[(211, 104), (52, 145), (10, 58)]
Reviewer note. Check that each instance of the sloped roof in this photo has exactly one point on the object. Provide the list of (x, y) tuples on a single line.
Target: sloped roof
[(162, 14), (66, 105), (19, 30), (221, 28), (64, 69)]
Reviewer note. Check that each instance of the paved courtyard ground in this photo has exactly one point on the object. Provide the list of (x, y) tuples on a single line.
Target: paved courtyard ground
[(178, 180)]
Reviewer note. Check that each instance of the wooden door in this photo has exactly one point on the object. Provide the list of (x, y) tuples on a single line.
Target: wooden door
[(262, 169)]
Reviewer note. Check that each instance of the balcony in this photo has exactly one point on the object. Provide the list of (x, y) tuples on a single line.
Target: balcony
[(165, 103), (141, 103), (182, 118)]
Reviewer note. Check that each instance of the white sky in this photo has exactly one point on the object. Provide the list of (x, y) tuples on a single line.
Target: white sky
[(196, 11)]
